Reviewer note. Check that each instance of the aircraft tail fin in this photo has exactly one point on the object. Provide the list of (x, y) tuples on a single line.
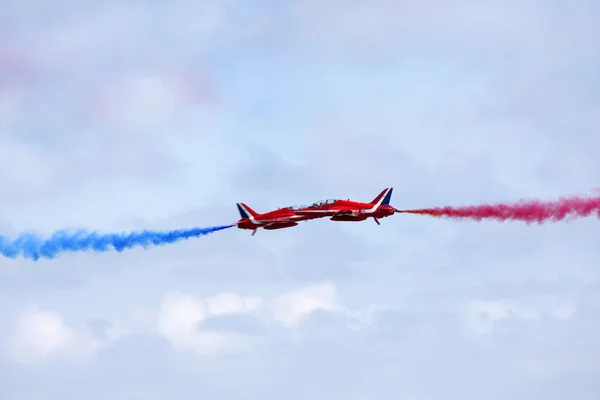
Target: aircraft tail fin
[(383, 198), (387, 198), (245, 211)]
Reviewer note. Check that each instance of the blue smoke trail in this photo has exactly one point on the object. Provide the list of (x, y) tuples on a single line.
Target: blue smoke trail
[(33, 247)]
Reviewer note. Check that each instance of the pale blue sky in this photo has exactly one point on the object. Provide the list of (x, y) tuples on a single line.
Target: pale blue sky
[(128, 115)]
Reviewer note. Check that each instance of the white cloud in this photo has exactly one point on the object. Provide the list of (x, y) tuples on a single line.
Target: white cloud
[(178, 318), (181, 316), (40, 334), (231, 303), (564, 312), (290, 308), (483, 315)]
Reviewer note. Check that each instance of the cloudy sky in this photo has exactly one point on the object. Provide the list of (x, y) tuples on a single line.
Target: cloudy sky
[(125, 115)]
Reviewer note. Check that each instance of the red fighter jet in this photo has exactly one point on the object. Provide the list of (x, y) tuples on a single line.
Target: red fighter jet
[(338, 210), (347, 210), (277, 219)]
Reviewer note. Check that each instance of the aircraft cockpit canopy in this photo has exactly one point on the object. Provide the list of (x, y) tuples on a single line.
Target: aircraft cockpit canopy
[(298, 207), (322, 202)]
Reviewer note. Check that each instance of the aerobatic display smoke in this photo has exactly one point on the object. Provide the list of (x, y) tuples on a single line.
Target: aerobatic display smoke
[(528, 211), (33, 247)]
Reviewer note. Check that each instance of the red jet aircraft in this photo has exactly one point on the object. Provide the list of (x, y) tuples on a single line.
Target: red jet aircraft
[(347, 210), (277, 219), (338, 210)]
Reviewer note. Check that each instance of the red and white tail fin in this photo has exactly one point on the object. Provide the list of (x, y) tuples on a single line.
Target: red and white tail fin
[(383, 198), (245, 211)]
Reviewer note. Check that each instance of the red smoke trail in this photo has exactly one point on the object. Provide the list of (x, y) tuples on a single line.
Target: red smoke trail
[(525, 210)]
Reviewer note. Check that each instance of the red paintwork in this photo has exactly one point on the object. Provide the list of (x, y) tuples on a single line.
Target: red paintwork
[(336, 209), (276, 219), (348, 210)]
